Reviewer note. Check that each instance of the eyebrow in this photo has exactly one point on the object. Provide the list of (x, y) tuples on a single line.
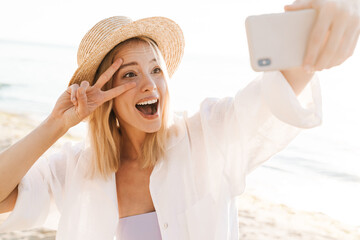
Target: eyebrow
[(133, 63)]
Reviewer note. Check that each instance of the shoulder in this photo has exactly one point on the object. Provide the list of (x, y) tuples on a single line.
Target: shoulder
[(176, 129), (71, 150), (184, 128), (67, 156)]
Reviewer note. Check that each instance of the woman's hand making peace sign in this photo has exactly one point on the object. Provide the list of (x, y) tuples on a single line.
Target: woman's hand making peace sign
[(78, 102)]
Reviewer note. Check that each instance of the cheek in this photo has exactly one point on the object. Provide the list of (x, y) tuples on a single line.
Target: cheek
[(116, 83), (162, 87), (122, 105), (163, 91)]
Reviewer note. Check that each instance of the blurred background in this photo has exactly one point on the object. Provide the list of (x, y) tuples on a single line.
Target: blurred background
[(319, 171)]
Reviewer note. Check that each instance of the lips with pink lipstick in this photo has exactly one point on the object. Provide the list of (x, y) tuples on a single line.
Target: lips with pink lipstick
[(148, 107)]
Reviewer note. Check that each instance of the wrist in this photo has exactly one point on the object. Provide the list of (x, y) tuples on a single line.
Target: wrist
[(297, 78), (58, 125)]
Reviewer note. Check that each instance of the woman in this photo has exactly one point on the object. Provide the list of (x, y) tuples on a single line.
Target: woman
[(138, 171)]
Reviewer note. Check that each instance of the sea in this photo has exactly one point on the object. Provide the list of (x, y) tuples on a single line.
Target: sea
[(319, 171)]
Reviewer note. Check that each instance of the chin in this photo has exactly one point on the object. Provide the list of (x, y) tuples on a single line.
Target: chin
[(150, 128)]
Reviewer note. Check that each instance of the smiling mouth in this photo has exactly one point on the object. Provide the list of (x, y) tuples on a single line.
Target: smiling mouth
[(148, 107)]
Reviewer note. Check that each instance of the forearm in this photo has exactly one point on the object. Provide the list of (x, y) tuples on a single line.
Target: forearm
[(8, 204), (16, 160), (297, 78)]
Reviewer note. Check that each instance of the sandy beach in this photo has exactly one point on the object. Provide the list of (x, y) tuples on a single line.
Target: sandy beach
[(258, 219)]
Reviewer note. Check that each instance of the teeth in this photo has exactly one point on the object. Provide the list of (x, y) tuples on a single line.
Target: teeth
[(147, 102)]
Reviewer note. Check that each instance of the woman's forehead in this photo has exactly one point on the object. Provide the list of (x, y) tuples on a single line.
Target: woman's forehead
[(135, 49)]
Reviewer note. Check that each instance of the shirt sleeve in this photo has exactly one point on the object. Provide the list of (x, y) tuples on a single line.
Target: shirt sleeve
[(43, 183), (246, 130)]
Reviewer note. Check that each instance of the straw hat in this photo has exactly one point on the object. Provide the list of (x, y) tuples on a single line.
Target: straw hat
[(106, 34)]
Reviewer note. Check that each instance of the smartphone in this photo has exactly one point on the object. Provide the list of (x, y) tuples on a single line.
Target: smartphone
[(278, 41)]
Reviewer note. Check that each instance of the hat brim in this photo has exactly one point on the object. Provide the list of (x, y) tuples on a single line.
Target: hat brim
[(165, 32)]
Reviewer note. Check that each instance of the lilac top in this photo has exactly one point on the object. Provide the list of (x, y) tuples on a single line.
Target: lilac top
[(139, 227)]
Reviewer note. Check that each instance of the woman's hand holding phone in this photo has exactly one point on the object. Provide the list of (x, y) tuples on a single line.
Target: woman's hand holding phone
[(332, 39), (335, 33)]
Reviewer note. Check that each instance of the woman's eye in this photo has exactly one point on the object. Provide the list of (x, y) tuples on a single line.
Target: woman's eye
[(157, 70), (129, 75)]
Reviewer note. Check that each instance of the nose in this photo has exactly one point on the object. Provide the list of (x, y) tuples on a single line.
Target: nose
[(148, 84)]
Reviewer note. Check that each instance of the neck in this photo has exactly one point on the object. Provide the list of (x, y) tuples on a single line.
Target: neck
[(132, 143)]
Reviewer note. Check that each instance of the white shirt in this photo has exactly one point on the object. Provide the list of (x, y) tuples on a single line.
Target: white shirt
[(194, 187)]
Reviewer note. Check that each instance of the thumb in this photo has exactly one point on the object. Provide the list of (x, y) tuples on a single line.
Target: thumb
[(298, 5)]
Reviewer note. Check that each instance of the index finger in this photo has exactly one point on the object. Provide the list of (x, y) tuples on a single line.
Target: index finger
[(114, 92), (107, 75)]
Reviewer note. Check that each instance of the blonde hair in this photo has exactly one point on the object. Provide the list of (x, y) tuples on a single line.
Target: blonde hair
[(104, 129)]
